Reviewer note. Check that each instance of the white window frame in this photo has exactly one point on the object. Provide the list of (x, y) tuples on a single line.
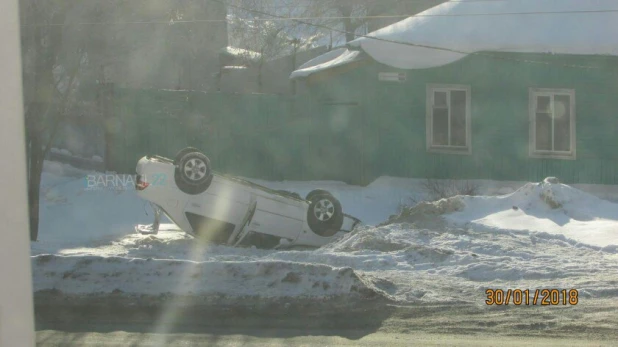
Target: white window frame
[(551, 92), (431, 89)]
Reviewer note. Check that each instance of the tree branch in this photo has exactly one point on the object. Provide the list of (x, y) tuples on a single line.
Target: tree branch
[(62, 105)]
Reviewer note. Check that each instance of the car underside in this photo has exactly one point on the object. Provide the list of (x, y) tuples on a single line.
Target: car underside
[(228, 210)]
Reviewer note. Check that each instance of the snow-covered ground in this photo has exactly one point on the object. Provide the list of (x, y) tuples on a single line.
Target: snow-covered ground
[(544, 207), (556, 236)]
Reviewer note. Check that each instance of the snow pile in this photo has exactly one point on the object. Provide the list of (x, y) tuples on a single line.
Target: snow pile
[(405, 240), (393, 262), (427, 214), (546, 207), (469, 26), (456, 264), (80, 275)]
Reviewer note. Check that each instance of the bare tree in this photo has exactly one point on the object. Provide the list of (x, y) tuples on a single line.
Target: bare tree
[(70, 44), (349, 18), (47, 88), (261, 37), (441, 189)]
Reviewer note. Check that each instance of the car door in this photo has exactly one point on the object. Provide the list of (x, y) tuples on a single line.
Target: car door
[(218, 210), (277, 216)]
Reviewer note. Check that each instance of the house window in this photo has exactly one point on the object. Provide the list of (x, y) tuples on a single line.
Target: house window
[(552, 123), (448, 119)]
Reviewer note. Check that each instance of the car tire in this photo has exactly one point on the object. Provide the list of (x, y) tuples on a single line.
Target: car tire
[(193, 173), (316, 191), (182, 153), (324, 215)]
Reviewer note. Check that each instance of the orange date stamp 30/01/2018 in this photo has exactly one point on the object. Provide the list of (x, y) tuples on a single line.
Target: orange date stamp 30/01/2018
[(544, 297)]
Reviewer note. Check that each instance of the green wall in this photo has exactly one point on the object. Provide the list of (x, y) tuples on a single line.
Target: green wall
[(393, 116), (353, 128), (232, 129)]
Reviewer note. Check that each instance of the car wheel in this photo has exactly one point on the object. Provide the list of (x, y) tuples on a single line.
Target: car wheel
[(193, 174), (183, 152), (324, 216), (316, 191)]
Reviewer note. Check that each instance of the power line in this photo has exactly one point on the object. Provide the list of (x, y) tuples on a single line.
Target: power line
[(282, 18), (445, 15), (365, 2)]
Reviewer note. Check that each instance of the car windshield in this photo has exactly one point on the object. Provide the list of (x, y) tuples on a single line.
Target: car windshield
[(322, 172)]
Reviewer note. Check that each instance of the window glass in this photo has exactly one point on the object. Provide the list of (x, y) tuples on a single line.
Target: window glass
[(439, 99), (458, 118), (448, 120), (543, 104), (440, 126), (553, 123), (562, 123), (543, 131)]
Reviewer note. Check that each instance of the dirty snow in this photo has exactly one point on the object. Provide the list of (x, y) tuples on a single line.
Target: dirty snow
[(88, 245), (394, 262), (469, 26), (94, 274)]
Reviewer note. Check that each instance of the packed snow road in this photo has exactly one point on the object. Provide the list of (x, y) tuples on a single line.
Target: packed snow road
[(590, 324)]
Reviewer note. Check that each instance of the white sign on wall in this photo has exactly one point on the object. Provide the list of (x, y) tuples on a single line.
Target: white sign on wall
[(392, 76)]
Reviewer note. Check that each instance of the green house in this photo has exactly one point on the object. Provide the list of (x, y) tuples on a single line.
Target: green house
[(505, 90)]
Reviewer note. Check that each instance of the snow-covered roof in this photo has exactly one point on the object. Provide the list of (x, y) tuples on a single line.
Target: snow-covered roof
[(469, 26), (234, 67), (241, 53), (325, 61)]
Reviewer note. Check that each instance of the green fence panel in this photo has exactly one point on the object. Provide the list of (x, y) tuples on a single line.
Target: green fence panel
[(243, 134)]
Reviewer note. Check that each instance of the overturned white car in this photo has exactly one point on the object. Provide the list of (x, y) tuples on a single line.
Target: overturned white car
[(228, 210)]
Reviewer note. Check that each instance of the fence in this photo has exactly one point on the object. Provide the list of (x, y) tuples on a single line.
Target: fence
[(254, 135)]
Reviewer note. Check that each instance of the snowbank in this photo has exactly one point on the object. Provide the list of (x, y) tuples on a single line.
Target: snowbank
[(393, 262), (469, 26), (81, 275), (546, 207)]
